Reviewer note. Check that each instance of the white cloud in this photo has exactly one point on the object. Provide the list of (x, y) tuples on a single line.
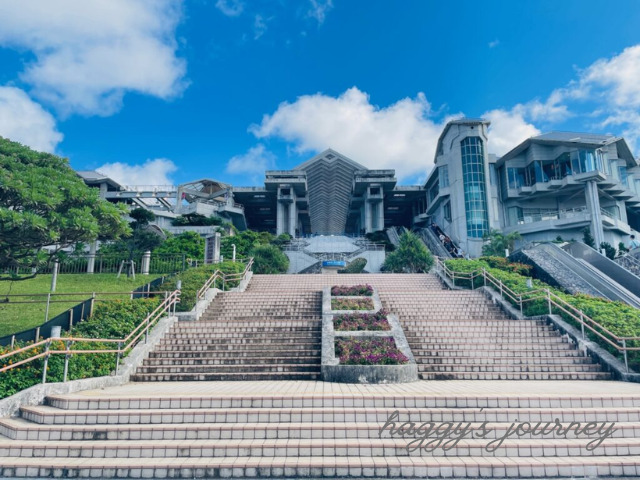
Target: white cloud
[(155, 171), (494, 43), (319, 10), (615, 79), (254, 162), (400, 136), (259, 26), (89, 54), (231, 8), (25, 121), (507, 130)]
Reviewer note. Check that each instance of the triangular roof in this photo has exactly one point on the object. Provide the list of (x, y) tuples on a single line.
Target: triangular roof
[(330, 156)]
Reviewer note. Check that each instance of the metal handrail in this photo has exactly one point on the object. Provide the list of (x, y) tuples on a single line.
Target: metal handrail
[(616, 341), (224, 277), (123, 344)]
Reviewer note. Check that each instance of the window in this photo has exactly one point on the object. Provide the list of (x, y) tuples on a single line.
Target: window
[(444, 176), (447, 211), (374, 190), (622, 172), (475, 197), (516, 177)]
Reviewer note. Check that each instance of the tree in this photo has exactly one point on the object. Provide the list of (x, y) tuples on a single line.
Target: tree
[(587, 238), (269, 259), (411, 256), (190, 244), (496, 243), (43, 203)]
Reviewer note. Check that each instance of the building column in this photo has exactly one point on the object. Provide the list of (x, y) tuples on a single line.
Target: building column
[(280, 220), (293, 219), (380, 215), (368, 227), (91, 262), (178, 206), (593, 204)]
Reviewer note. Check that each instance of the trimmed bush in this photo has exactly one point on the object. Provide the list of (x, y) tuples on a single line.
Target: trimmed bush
[(354, 291), (194, 278), (269, 259), (371, 351), (355, 266), (411, 256)]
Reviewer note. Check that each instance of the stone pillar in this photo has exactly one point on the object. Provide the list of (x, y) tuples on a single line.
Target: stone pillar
[(367, 217), (91, 261), (146, 263), (593, 204), (212, 248), (293, 219), (280, 218), (381, 215), (178, 207)]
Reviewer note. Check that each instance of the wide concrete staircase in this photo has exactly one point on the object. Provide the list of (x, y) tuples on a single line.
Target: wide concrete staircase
[(313, 429), (255, 335), (459, 334)]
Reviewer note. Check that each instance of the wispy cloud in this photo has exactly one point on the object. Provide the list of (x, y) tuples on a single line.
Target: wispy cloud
[(259, 26), (319, 9), (230, 8), (494, 43), (254, 162)]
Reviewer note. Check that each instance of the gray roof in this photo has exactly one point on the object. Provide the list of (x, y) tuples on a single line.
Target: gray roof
[(575, 137), (93, 177)]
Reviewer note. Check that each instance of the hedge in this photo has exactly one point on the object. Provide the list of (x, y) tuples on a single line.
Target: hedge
[(617, 317), (112, 319), (194, 278)]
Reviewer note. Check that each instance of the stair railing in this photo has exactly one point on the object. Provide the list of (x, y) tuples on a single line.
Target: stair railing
[(619, 343), (225, 277), (63, 345)]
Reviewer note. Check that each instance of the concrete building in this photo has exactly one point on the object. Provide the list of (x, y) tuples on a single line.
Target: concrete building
[(549, 186), (553, 185)]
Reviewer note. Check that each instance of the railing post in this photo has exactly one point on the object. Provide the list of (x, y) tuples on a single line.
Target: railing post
[(501, 292), (46, 310), (582, 323), (66, 362), (46, 363), (118, 356), (624, 350), (549, 300), (93, 299), (484, 276), (520, 301)]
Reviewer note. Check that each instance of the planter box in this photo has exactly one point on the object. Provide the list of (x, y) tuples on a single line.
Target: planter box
[(333, 371)]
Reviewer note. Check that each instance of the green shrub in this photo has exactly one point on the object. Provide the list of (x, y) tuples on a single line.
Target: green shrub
[(609, 250), (355, 266), (269, 259), (587, 238), (502, 263), (411, 256), (194, 278), (113, 319)]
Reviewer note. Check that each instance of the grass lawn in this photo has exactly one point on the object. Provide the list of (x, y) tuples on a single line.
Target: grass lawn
[(16, 317)]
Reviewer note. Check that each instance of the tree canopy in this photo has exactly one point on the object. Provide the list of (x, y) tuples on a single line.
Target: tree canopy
[(496, 243), (411, 256), (44, 203)]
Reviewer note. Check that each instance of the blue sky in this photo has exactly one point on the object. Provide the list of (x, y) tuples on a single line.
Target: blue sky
[(166, 91)]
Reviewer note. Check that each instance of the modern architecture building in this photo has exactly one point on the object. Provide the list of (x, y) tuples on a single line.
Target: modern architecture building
[(553, 185)]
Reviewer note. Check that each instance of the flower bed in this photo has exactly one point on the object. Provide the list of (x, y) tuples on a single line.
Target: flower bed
[(352, 304), (355, 291), (369, 351), (361, 321)]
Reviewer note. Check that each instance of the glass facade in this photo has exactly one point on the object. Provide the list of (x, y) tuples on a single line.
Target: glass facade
[(475, 194)]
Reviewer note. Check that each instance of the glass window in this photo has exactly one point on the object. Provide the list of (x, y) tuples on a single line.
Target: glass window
[(475, 197), (622, 172), (444, 176), (447, 211)]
